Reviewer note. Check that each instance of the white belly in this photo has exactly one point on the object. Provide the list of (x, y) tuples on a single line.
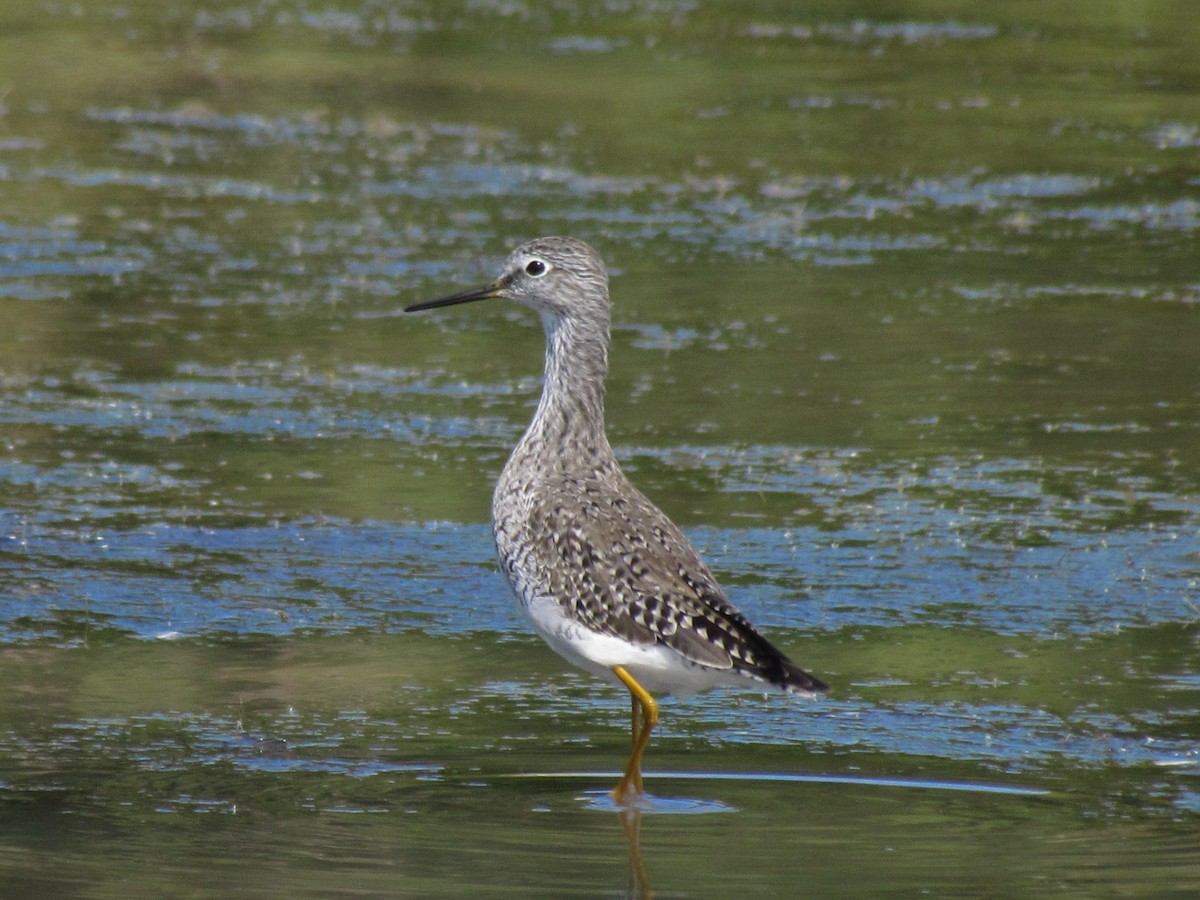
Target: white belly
[(656, 667)]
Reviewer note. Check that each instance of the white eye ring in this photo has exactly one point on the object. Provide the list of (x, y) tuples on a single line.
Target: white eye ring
[(536, 268)]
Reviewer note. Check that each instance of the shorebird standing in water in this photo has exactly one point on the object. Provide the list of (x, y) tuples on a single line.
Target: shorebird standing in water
[(605, 577)]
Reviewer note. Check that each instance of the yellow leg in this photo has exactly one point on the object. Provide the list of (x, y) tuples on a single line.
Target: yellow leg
[(635, 731), (631, 781)]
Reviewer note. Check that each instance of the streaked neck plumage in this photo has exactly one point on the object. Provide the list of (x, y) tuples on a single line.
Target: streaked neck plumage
[(568, 425)]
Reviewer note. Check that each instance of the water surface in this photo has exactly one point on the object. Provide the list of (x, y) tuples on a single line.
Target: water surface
[(905, 339)]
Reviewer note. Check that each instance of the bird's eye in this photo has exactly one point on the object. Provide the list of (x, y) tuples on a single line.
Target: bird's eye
[(536, 268)]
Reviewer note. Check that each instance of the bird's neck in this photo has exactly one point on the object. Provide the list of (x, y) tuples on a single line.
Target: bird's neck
[(570, 415)]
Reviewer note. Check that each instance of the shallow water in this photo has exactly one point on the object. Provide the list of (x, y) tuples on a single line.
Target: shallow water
[(905, 338)]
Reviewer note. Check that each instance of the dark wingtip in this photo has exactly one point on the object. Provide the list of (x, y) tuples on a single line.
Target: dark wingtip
[(797, 681)]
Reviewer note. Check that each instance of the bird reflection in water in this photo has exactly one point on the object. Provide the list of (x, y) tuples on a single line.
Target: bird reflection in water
[(639, 881)]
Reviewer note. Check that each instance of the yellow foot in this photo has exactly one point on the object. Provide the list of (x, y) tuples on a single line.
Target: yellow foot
[(625, 794)]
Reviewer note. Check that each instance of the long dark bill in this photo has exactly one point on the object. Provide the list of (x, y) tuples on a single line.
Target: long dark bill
[(483, 293)]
